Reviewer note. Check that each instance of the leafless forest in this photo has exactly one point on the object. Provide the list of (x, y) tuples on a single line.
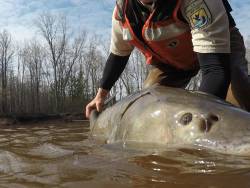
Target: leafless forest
[(60, 72)]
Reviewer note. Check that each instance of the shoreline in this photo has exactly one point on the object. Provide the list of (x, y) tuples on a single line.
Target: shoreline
[(13, 119)]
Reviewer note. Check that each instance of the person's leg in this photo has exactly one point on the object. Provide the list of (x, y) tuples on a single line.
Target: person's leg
[(240, 78), (168, 76)]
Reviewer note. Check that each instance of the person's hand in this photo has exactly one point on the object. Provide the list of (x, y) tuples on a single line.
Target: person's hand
[(97, 102)]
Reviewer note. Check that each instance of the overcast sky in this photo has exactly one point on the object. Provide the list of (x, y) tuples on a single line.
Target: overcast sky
[(17, 16)]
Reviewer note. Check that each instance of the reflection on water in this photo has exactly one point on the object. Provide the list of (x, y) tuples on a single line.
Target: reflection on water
[(63, 156)]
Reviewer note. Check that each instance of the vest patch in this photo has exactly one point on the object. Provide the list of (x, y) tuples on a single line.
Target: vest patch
[(198, 14)]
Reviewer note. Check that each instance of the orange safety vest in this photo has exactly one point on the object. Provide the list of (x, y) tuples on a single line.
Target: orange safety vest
[(168, 41)]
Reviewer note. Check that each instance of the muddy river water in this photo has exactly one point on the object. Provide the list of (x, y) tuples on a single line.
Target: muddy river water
[(51, 155)]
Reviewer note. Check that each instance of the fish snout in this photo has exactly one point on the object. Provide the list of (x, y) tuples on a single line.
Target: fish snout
[(200, 122), (207, 122)]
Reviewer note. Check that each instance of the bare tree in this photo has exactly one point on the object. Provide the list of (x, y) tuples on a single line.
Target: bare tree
[(54, 31), (6, 55), (61, 72), (248, 53), (34, 55), (134, 73), (93, 63)]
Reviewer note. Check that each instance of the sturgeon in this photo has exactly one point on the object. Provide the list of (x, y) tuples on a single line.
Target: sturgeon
[(165, 116)]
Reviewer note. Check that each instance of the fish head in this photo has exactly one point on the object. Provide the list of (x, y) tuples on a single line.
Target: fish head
[(218, 126)]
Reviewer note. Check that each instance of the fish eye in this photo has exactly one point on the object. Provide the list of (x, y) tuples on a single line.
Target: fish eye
[(186, 119)]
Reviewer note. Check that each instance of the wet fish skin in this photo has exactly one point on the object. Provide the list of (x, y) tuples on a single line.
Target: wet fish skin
[(169, 117)]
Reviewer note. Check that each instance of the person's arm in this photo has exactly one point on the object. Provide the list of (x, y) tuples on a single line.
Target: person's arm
[(120, 51), (117, 60), (215, 73), (112, 70), (209, 25)]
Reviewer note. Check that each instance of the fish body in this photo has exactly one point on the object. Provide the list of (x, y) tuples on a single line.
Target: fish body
[(167, 117)]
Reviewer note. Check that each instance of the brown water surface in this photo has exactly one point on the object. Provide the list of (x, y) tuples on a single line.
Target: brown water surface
[(64, 156)]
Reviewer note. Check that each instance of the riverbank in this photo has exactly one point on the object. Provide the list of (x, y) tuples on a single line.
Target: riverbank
[(12, 119)]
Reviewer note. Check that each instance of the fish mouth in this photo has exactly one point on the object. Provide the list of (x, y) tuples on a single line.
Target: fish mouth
[(234, 147)]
